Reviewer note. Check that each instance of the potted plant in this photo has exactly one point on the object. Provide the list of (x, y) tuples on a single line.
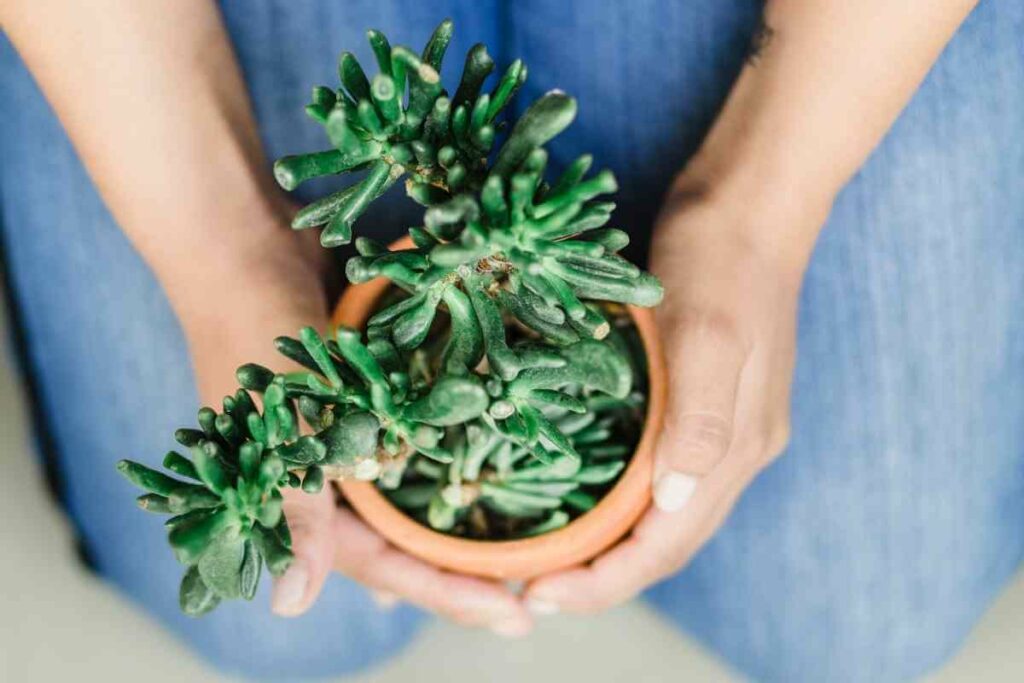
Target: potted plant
[(490, 395)]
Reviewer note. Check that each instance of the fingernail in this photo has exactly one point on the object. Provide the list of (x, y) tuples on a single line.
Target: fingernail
[(673, 491), (290, 589), (541, 608), (386, 600), (511, 628)]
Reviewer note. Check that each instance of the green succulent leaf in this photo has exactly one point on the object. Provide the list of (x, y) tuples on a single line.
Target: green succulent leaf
[(556, 520), (451, 401), (277, 555), (149, 479), (252, 566), (195, 597), (350, 438), (543, 120), (221, 566)]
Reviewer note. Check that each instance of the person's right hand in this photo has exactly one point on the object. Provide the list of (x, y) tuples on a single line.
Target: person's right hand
[(326, 537), (276, 289)]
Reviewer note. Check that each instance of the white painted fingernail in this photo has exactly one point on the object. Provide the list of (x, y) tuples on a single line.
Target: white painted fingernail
[(511, 628), (673, 491), (541, 608), (290, 589), (386, 600)]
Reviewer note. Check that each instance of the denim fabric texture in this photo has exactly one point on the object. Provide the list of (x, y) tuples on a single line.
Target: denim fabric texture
[(865, 553)]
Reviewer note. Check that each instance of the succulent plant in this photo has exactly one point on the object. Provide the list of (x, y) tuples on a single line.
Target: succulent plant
[(498, 389)]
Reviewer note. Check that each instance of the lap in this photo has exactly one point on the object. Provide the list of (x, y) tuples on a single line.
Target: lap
[(112, 373), (871, 545), (868, 551)]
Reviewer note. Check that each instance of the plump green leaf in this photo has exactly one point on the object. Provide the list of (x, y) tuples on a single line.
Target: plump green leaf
[(149, 479), (556, 520), (273, 549), (270, 513), (412, 495), (543, 120), (579, 501), (590, 363), (252, 566), (153, 502), (465, 346), (180, 465), (478, 66), (599, 474), (313, 481), (209, 461), (306, 451), (503, 494), (191, 539), (221, 566), (194, 596), (350, 437), (543, 488), (441, 515), (561, 468), (451, 401), (433, 53)]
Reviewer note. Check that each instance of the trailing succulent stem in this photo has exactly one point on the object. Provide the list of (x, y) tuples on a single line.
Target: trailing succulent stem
[(498, 390)]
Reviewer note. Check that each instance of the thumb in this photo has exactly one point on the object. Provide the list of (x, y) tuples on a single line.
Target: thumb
[(704, 372), (311, 523)]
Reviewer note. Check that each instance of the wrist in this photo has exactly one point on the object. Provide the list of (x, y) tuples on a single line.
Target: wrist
[(246, 254), (240, 326), (765, 163), (769, 211), (232, 303)]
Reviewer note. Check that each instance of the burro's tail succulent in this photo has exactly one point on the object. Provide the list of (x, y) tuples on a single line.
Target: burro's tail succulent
[(499, 388)]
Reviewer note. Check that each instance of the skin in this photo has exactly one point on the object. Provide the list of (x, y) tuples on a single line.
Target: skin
[(154, 103), (731, 246)]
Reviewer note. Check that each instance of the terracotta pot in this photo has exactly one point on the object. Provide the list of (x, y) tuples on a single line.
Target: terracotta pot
[(580, 540)]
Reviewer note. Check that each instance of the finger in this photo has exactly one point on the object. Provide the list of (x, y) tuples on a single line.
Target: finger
[(386, 600), (705, 366), (310, 521), (367, 558), (660, 545)]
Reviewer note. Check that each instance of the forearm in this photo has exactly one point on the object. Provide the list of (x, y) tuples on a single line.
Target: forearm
[(825, 82), (153, 101)]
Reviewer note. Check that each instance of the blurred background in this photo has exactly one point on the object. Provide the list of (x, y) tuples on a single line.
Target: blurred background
[(58, 622)]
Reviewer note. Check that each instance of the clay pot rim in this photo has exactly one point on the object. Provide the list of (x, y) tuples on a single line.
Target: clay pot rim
[(580, 540)]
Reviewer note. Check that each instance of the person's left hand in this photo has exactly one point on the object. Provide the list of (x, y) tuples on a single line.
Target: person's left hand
[(728, 324)]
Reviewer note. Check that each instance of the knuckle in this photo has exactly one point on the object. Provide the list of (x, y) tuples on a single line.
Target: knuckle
[(609, 600), (460, 616), (778, 440), (358, 574), (656, 566), (765, 446), (666, 565), (593, 605), (702, 439), (716, 327), (301, 528)]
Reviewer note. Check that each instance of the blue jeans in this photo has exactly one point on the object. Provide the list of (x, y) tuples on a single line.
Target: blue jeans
[(866, 553)]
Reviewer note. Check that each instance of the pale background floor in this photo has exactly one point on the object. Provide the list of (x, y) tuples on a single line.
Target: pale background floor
[(45, 593)]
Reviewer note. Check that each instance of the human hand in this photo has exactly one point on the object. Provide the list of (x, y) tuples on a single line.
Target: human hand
[(275, 286), (326, 537), (729, 325)]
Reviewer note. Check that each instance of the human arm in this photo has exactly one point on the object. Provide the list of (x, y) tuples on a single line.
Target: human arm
[(731, 246), (154, 103)]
